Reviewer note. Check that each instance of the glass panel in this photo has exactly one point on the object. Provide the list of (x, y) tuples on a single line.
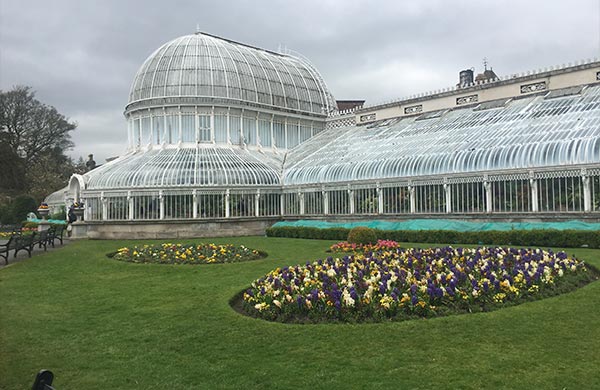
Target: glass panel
[(221, 128), (279, 134), (172, 129), (396, 200), (204, 128), (249, 131), (264, 132), (188, 132), (118, 208), (158, 123), (366, 201), (234, 129), (178, 206)]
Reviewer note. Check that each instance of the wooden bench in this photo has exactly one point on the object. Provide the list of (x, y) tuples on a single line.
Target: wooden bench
[(17, 242)]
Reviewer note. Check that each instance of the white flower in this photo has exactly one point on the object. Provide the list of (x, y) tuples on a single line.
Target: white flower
[(348, 300)]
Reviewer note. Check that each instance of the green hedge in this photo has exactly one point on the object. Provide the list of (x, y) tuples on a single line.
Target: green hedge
[(541, 238)]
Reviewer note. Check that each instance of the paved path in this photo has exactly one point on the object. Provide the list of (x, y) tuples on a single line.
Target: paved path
[(23, 255)]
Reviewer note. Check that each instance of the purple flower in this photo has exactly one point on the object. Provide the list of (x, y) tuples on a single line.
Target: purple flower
[(439, 292), (382, 288), (314, 294)]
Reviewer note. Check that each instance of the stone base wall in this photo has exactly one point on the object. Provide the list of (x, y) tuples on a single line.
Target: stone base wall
[(109, 230), (169, 230)]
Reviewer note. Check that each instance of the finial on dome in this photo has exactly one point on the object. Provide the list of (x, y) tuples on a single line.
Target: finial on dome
[(197, 28)]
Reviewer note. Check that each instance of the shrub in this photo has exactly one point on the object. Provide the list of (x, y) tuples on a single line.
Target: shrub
[(541, 238), (362, 235), (6, 215), (29, 225), (22, 205)]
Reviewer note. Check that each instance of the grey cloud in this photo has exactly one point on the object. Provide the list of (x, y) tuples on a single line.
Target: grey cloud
[(81, 56)]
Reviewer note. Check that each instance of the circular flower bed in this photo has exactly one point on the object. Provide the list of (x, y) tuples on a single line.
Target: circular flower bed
[(168, 253), (408, 283)]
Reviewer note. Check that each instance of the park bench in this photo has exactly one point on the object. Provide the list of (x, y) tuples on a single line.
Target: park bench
[(17, 242), (56, 233), (42, 239)]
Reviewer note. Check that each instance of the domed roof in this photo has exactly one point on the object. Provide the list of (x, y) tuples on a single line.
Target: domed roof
[(215, 166), (205, 66)]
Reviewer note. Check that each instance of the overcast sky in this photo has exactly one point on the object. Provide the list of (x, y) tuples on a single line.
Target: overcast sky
[(81, 56)]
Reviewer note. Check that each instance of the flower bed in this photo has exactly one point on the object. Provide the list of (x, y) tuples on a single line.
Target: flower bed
[(24, 230), (168, 253), (346, 247), (409, 283)]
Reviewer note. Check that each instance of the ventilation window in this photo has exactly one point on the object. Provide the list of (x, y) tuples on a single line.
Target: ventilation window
[(570, 91), (500, 103)]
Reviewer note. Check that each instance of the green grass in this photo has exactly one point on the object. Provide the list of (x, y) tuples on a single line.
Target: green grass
[(98, 323)]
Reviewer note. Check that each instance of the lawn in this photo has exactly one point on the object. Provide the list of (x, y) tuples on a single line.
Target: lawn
[(98, 323)]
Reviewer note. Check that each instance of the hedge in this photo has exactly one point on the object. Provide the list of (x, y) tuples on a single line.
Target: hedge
[(541, 238)]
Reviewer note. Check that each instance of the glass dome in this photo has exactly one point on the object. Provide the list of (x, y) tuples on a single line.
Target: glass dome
[(202, 65)]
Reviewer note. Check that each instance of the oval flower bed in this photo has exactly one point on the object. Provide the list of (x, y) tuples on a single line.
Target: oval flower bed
[(168, 253), (409, 283)]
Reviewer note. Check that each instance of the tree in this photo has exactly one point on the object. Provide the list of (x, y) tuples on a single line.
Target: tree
[(33, 140), (30, 127), (48, 173), (12, 168)]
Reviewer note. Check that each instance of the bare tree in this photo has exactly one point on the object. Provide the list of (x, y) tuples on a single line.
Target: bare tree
[(33, 140), (31, 128)]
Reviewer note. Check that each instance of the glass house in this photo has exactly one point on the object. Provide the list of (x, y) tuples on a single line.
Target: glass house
[(219, 130)]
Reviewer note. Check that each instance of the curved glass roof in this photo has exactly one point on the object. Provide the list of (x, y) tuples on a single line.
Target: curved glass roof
[(202, 65), (526, 133), (57, 197), (188, 167)]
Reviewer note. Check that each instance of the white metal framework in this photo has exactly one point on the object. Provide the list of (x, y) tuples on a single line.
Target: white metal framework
[(202, 65), (532, 132), (221, 130)]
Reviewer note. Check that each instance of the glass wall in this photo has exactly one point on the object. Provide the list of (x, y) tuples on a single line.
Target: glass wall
[(468, 197), (547, 194), (511, 196), (185, 125)]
